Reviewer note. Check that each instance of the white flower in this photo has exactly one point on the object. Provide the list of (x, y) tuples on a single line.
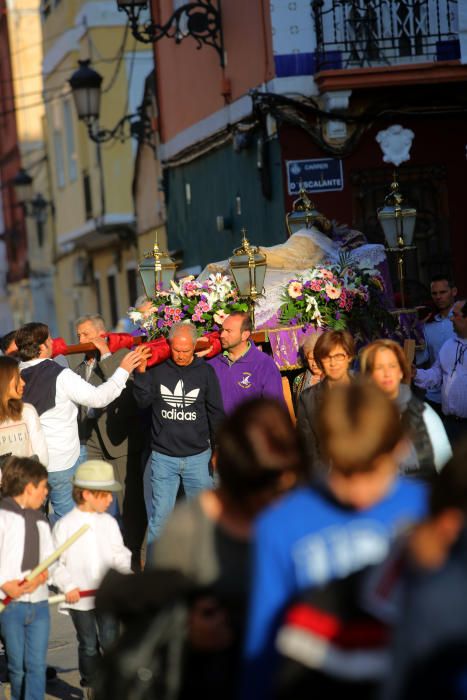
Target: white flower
[(135, 316), (311, 303), (175, 300), (175, 287), (220, 317)]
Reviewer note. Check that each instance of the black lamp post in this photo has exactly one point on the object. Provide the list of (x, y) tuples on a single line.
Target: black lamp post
[(86, 85), (34, 207), (22, 182), (201, 20)]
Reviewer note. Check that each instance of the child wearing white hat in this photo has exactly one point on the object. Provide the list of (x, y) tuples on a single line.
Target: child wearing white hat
[(84, 564)]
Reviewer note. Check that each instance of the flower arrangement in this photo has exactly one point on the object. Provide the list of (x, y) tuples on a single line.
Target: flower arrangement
[(338, 296), (205, 304)]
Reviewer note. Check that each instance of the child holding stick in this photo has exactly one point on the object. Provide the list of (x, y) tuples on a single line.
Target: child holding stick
[(85, 563), (25, 540)]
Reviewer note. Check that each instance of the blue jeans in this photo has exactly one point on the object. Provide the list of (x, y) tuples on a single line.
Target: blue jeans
[(61, 488), (25, 629), (95, 632), (166, 473)]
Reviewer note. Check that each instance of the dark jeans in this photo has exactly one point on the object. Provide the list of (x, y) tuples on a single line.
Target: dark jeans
[(95, 633)]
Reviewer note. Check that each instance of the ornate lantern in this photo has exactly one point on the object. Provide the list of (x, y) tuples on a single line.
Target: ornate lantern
[(157, 270), (248, 267), (305, 215), (398, 224)]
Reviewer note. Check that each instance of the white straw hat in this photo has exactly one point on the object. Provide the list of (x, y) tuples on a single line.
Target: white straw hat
[(96, 475)]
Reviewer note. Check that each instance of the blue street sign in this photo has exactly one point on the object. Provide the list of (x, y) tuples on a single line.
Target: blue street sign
[(315, 175)]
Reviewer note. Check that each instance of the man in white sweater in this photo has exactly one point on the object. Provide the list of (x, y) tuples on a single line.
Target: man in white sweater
[(56, 392)]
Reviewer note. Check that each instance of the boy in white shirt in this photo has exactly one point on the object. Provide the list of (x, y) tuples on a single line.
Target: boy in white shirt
[(84, 564), (25, 541)]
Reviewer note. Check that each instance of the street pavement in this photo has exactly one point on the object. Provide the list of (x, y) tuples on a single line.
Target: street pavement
[(62, 656)]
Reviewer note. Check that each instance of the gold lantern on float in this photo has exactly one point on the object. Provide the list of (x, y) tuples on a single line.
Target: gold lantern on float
[(398, 224), (157, 270), (305, 215), (248, 268)]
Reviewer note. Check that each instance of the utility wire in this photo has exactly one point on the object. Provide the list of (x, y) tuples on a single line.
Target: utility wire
[(120, 55), (31, 76)]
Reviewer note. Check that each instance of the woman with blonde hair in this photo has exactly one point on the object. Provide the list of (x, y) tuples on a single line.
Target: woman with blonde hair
[(313, 373), (384, 361), (20, 430)]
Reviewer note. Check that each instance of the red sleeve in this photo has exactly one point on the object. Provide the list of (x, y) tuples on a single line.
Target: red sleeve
[(160, 351), (117, 341), (214, 339), (59, 347)]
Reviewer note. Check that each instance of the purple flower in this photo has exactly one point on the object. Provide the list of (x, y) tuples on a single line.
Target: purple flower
[(337, 317), (215, 327), (160, 323), (186, 307)]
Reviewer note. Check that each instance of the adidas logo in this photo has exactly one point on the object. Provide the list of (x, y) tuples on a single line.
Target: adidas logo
[(178, 399)]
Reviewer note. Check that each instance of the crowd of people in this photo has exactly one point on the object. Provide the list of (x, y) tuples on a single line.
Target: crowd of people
[(295, 527)]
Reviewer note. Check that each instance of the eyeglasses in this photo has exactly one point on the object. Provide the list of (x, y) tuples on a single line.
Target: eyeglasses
[(338, 357)]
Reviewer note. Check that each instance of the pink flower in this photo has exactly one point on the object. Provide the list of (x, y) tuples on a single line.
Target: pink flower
[(294, 289), (333, 292), (325, 274), (316, 285)]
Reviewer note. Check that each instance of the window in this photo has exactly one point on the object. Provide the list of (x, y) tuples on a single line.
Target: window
[(112, 288), (59, 160), (97, 287), (69, 141), (87, 195)]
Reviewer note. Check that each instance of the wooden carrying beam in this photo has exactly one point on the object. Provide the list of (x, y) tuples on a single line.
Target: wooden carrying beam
[(257, 337)]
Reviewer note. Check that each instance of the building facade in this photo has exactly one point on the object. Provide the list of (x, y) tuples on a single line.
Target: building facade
[(300, 88), (96, 234), (13, 244)]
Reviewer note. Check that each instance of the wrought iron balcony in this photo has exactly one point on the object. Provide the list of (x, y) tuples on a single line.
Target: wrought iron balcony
[(359, 33)]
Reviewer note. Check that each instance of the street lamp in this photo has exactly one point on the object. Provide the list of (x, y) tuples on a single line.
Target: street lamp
[(85, 86), (398, 224), (248, 267), (305, 215), (34, 207), (201, 20), (157, 270), (22, 183)]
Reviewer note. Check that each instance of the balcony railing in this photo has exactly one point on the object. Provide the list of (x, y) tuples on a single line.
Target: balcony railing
[(359, 33)]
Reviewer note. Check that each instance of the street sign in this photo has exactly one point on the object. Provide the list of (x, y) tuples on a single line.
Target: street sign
[(315, 175)]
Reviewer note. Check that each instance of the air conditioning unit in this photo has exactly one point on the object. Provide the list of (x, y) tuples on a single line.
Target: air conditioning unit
[(82, 271)]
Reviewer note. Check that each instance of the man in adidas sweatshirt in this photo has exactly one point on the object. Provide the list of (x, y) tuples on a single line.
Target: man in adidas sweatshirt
[(55, 392), (186, 411)]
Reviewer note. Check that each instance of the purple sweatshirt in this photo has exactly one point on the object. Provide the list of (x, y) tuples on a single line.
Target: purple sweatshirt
[(252, 376)]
